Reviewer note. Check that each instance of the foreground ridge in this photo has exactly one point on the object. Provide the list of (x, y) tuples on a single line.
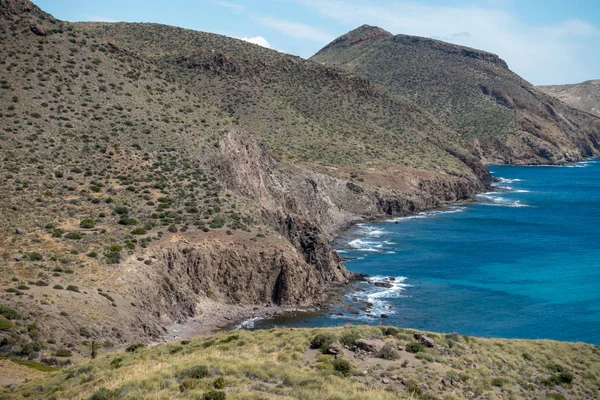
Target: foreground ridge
[(353, 362)]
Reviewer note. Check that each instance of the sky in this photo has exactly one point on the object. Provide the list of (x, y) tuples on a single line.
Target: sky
[(544, 41)]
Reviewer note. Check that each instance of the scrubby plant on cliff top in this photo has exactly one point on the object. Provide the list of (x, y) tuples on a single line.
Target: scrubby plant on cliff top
[(278, 364)]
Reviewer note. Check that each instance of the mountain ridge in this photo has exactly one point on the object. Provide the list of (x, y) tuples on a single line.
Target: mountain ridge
[(584, 96), (505, 118)]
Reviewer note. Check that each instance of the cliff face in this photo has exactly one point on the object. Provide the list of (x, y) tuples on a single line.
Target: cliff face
[(504, 118)]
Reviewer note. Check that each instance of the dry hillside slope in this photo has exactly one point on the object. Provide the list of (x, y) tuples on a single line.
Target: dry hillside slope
[(503, 117), (150, 174), (584, 95)]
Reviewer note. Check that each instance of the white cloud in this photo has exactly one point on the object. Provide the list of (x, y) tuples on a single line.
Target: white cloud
[(232, 6), (259, 40), (552, 53), (294, 29)]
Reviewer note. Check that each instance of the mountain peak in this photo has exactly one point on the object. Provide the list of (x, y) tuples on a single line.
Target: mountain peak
[(360, 36)]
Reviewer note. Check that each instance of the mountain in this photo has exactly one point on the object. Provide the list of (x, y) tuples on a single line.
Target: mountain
[(502, 116), (584, 95), (153, 175)]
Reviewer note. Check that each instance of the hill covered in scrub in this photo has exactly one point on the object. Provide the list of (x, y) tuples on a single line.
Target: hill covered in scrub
[(502, 116), (584, 95), (150, 175), (372, 363)]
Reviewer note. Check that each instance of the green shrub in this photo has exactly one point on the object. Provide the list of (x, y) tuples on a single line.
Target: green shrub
[(73, 288), (499, 382), (389, 330), (197, 372), (9, 313), (63, 353), (58, 287), (214, 395), (561, 378), (342, 366), (139, 231), (5, 324), (23, 287), (34, 256), (219, 383), (350, 337), (74, 235), (322, 341), (389, 352), (87, 223), (128, 221), (415, 347), (134, 347)]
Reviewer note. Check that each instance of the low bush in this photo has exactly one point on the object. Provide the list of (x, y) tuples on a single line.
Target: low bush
[(197, 372), (87, 223), (63, 353), (322, 341), (74, 235), (134, 347), (349, 337), (389, 352), (214, 395), (414, 347), (342, 366), (73, 288)]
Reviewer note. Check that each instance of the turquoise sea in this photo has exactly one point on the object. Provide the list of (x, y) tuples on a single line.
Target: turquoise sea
[(523, 261)]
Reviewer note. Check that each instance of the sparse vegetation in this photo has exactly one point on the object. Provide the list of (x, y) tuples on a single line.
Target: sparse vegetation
[(213, 365)]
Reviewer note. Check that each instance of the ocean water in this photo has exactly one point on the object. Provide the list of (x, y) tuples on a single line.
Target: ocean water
[(522, 261)]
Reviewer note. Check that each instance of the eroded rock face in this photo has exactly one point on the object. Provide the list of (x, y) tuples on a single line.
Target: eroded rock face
[(230, 271)]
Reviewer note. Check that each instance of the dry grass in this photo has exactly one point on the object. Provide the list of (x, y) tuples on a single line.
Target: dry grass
[(278, 364)]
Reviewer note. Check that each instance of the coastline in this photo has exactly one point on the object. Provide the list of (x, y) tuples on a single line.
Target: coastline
[(228, 317)]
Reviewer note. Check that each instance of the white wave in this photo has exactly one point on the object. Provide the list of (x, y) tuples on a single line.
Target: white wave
[(508, 180), (427, 214), (364, 245), (341, 251), (522, 191), (375, 232), (379, 296), (248, 324), (503, 187), (489, 199)]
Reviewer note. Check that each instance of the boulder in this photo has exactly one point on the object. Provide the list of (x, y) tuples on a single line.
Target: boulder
[(369, 345), (335, 348), (424, 340), (38, 30), (19, 231)]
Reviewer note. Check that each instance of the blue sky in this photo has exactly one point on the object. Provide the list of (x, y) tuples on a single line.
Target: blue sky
[(546, 42)]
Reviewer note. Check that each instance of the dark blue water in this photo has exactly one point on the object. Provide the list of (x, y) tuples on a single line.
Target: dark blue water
[(522, 262)]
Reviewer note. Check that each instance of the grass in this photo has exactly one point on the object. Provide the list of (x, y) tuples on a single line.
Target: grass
[(32, 364), (278, 364)]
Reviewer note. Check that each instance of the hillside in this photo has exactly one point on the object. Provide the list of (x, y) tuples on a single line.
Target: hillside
[(151, 175), (374, 363), (584, 95), (502, 116)]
